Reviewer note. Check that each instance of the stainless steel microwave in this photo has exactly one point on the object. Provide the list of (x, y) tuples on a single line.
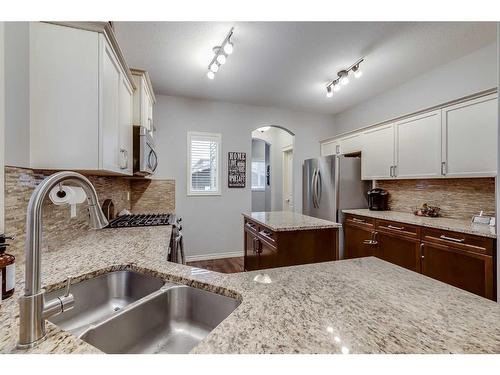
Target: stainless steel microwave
[(145, 156)]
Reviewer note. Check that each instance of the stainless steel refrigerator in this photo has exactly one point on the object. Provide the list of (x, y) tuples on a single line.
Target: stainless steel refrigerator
[(332, 184)]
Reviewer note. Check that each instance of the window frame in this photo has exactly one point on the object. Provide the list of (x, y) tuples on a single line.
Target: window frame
[(217, 137)]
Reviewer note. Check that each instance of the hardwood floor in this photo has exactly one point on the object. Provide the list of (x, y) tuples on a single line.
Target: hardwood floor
[(226, 265)]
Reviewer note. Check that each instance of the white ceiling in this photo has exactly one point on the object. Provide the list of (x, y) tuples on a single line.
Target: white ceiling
[(287, 64)]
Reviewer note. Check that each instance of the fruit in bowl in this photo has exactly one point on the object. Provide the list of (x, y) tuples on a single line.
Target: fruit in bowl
[(426, 210)]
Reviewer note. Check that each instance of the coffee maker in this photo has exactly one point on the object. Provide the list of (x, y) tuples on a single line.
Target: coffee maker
[(378, 199)]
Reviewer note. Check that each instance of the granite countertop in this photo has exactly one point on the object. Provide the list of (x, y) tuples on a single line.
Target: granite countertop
[(361, 305), (454, 225), (279, 221)]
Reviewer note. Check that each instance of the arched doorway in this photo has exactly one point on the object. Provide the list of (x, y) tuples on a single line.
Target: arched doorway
[(272, 169)]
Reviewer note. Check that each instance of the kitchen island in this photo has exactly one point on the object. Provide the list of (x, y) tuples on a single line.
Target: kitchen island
[(283, 238), (361, 305)]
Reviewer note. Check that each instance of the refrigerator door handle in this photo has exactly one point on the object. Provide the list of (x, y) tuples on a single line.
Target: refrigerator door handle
[(313, 188), (318, 188)]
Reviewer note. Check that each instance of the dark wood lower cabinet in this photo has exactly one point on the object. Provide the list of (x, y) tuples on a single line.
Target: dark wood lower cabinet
[(463, 269), (462, 260), (400, 250), (268, 249), (358, 241)]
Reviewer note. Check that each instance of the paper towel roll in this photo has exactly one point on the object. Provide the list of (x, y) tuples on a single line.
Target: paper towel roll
[(62, 195)]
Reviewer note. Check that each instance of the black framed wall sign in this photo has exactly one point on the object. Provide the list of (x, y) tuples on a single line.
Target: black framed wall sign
[(236, 169)]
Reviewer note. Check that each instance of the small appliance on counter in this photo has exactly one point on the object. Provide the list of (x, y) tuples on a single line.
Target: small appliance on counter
[(378, 199)]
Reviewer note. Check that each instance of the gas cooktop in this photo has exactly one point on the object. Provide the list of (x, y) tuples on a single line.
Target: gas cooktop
[(144, 220)]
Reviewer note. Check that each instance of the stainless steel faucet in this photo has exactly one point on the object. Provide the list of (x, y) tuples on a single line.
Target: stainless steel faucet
[(33, 309)]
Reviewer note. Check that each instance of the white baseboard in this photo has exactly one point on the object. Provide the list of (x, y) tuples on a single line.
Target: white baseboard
[(233, 254)]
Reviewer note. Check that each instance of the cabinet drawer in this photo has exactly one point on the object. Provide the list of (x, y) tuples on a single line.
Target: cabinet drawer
[(463, 241), (268, 236), (398, 228), (361, 221), (251, 226)]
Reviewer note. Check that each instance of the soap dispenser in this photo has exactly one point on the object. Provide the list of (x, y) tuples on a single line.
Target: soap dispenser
[(7, 267)]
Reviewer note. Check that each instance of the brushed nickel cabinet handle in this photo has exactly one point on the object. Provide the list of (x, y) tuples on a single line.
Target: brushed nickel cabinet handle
[(357, 220), (393, 227), (443, 168), (446, 238), (422, 251)]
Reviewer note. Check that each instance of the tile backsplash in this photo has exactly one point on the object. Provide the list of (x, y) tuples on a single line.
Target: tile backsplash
[(458, 198), (152, 196), (58, 226)]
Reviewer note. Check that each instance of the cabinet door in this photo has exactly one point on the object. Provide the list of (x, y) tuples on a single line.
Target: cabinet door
[(356, 242), (418, 146), (470, 138), (378, 153), (150, 116), (251, 257), (110, 118), (399, 250), (330, 148), (466, 270), (144, 104), (63, 97), (126, 129), (350, 144), (268, 255)]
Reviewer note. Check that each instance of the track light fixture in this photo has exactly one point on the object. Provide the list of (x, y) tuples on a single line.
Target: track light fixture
[(220, 55), (343, 78)]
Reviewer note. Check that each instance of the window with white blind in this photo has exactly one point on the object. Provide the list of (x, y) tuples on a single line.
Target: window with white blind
[(204, 163)]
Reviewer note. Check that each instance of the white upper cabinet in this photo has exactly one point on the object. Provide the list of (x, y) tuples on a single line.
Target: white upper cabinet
[(470, 138), (377, 158), (126, 130), (350, 144), (344, 145), (109, 102), (418, 146), (144, 100), (458, 140), (80, 101), (63, 90), (330, 148)]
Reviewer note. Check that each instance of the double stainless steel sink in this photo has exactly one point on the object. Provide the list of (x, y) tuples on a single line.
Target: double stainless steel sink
[(129, 312)]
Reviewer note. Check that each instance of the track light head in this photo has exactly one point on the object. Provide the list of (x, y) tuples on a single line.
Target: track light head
[(329, 92), (357, 71), (214, 67), (228, 48), (343, 77), (221, 59), (210, 74), (336, 86)]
